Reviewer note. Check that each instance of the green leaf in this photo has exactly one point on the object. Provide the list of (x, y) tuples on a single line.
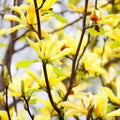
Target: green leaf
[(32, 101), (118, 72), (96, 30), (58, 71), (3, 45), (74, 2), (115, 44), (110, 107), (60, 18), (25, 63)]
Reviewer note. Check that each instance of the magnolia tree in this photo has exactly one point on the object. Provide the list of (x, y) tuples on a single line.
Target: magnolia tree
[(74, 45)]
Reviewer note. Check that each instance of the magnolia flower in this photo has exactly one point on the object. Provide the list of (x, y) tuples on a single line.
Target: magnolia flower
[(73, 43), (77, 107), (111, 19), (50, 50), (3, 115), (100, 102), (93, 64), (52, 77), (28, 20), (19, 86), (113, 98)]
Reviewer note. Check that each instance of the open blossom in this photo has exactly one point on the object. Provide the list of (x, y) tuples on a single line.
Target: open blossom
[(27, 20), (50, 50), (53, 78), (17, 85)]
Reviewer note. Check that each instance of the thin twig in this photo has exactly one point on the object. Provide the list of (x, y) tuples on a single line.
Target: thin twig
[(6, 105), (38, 20), (26, 45), (49, 92), (69, 24), (17, 38), (28, 108), (77, 52), (83, 51), (96, 4), (42, 4)]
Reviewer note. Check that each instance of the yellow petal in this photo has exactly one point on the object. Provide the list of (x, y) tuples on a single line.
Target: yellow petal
[(48, 3), (43, 117), (113, 113), (2, 31), (61, 54), (17, 27), (101, 99), (35, 77), (114, 34), (12, 18), (111, 19), (46, 17), (3, 115), (36, 48), (45, 35), (31, 15), (118, 87), (19, 11), (112, 97), (55, 81)]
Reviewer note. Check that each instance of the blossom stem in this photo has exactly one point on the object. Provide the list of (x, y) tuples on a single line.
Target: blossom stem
[(6, 105), (73, 73), (28, 108), (61, 116), (38, 20)]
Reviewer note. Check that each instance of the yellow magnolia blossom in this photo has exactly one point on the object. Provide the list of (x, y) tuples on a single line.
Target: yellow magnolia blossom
[(2, 31), (113, 98), (100, 102), (114, 34), (93, 64), (17, 85), (26, 21), (47, 108), (111, 19), (42, 117), (52, 77), (78, 8), (50, 50), (81, 106), (46, 6), (20, 115), (73, 43), (3, 115)]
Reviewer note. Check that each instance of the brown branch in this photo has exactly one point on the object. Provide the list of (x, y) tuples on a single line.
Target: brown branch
[(26, 45), (49, 92), (69, 24), (83, 51), (28, 108), (38, 19), (73, 72), (6, 105)]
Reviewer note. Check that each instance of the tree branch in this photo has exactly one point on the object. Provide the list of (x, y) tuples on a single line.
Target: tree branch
[(73, 72), (38, 19), (50, 94)]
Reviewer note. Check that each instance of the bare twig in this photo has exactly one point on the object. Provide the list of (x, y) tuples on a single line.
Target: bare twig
[(73, 73), (83, 51), (49, 92), (26, 45), (6, 105), (69, 24), (38, 19), (28, 108)]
